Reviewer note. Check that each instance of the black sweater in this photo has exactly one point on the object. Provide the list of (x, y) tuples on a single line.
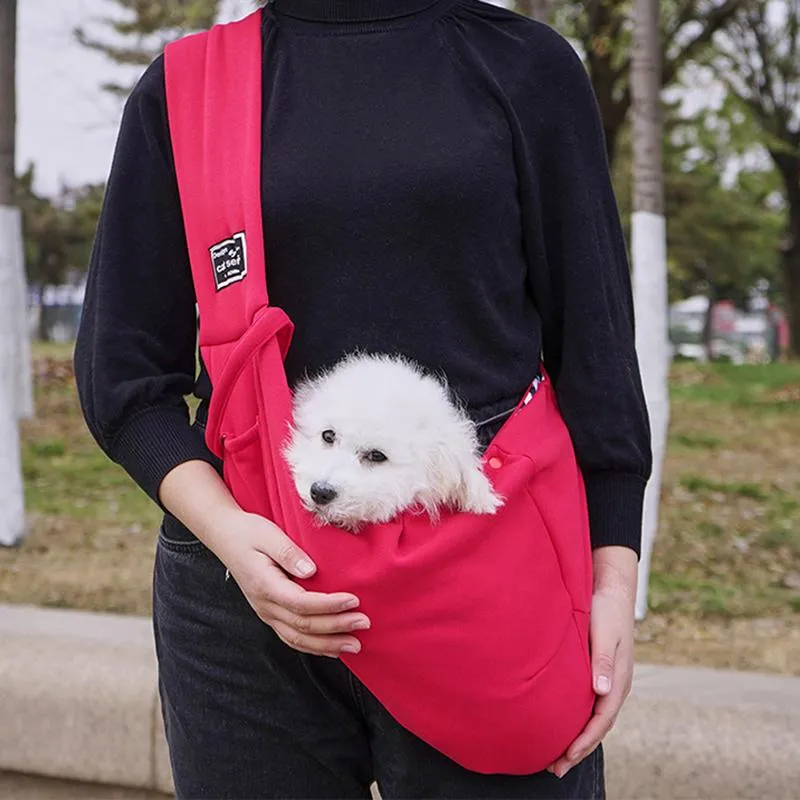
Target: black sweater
[(434, 183)]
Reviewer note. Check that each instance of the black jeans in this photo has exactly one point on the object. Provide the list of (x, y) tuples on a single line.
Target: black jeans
[(248, 717)]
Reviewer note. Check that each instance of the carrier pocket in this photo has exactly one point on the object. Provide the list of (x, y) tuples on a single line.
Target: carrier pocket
[(243, 468), (558, 493)]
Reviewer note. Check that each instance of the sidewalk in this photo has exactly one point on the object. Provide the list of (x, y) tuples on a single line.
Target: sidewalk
[(32, 787), (78, 701)]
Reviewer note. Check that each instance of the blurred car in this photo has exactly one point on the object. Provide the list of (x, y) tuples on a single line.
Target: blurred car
[(736, 336), (687, 320)]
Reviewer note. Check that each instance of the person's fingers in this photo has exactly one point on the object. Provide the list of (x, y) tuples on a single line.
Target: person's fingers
[(317, 624), (605, 714), (275, 587), (284, 552), (605, 640), (331, 646), (597, 728), (606, 710)]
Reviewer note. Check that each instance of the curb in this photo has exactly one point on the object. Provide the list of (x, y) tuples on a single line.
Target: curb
[(79, 700)]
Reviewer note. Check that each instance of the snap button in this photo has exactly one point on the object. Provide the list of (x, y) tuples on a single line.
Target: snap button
[(495, 462)]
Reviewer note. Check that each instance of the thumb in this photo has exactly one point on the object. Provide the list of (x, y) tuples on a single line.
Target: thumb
[(604, 651), (284, 552)]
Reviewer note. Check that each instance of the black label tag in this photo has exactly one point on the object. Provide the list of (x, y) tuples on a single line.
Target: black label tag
[(229, 260)]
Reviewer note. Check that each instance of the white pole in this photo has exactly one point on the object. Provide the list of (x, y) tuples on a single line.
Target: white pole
[(649, 253), (648, 250), (12, 515)]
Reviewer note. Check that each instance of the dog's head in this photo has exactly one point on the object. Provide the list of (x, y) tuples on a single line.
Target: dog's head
[(375, 436)]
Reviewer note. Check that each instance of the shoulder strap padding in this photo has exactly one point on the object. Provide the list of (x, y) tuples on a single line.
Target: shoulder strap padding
[(213, 89)]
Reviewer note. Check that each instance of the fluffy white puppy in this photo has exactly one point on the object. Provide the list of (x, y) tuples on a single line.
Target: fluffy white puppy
[(375, 436)]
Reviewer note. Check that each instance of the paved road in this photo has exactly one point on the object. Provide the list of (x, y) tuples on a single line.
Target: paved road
[(24, 787)]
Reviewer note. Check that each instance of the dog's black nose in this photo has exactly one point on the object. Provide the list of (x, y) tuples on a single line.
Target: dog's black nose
[(322, 493)]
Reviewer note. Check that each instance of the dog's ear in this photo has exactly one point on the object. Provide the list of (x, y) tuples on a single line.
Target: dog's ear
[(456, 480), (442, 481)]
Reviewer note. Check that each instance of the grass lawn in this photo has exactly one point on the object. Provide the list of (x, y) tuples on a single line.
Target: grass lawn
[(725, 587)]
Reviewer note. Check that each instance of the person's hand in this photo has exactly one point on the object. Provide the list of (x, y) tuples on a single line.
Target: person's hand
[(611, 643), (261, 557), (258, 554)]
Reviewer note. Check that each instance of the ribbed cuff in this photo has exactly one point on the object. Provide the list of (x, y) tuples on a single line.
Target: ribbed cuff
[(615, 501), (154, 442)]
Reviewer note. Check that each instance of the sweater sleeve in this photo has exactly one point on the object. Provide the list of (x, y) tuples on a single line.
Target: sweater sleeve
[(581, 281), (135, 350)]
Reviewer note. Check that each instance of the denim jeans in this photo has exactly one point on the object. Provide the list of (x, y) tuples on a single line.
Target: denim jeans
[(248, 717)]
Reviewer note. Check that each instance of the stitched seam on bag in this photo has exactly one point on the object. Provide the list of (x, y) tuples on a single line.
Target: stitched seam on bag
[(555, 652), (555, 549), (235, 444)]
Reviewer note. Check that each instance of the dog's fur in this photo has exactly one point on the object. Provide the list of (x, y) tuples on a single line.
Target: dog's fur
[(385, 405)]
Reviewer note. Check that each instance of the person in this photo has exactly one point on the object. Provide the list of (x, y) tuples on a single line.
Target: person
[(435, 184)]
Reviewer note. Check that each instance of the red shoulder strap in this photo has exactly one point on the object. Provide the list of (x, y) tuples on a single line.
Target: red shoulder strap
[(213, 89)]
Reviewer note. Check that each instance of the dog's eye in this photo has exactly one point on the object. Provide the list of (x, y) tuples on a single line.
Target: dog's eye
[(329, 436), (375, 457)]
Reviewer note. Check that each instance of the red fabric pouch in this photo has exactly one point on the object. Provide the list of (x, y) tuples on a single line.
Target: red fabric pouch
[(479, 637)]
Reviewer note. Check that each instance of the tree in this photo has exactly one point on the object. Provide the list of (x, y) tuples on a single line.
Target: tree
[(648, 248), (144, 29), (58, 231), (536, 9), (604, 30), (759, 61), (722, 232), (12, 515), (722, 203)]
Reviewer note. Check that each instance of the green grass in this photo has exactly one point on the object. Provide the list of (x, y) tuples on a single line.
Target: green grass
[(65, 472), (697, 441), (749, 386), (59, 351), (92, 531), (698, 484), (730, 515)]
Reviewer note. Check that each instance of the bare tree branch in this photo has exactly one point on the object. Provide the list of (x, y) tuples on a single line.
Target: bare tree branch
[(713, 21)]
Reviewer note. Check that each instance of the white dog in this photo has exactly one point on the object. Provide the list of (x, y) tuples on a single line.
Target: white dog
[(375, 436)]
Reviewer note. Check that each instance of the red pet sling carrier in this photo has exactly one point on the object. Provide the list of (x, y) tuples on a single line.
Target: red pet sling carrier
[(479, 638)]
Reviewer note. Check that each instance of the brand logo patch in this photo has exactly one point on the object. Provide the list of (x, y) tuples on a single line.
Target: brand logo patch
[(229, 260)]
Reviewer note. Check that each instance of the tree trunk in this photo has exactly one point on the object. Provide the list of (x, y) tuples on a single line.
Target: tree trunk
[(648, 241), (791, 280), (613, 96), (25, 404), (8, 99), (11, 496), (708, 323), (789, 168), (8, 124), (791, 272), (611, 133)]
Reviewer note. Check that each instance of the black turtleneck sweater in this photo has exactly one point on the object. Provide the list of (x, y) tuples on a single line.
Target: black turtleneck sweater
[(435, 184)]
